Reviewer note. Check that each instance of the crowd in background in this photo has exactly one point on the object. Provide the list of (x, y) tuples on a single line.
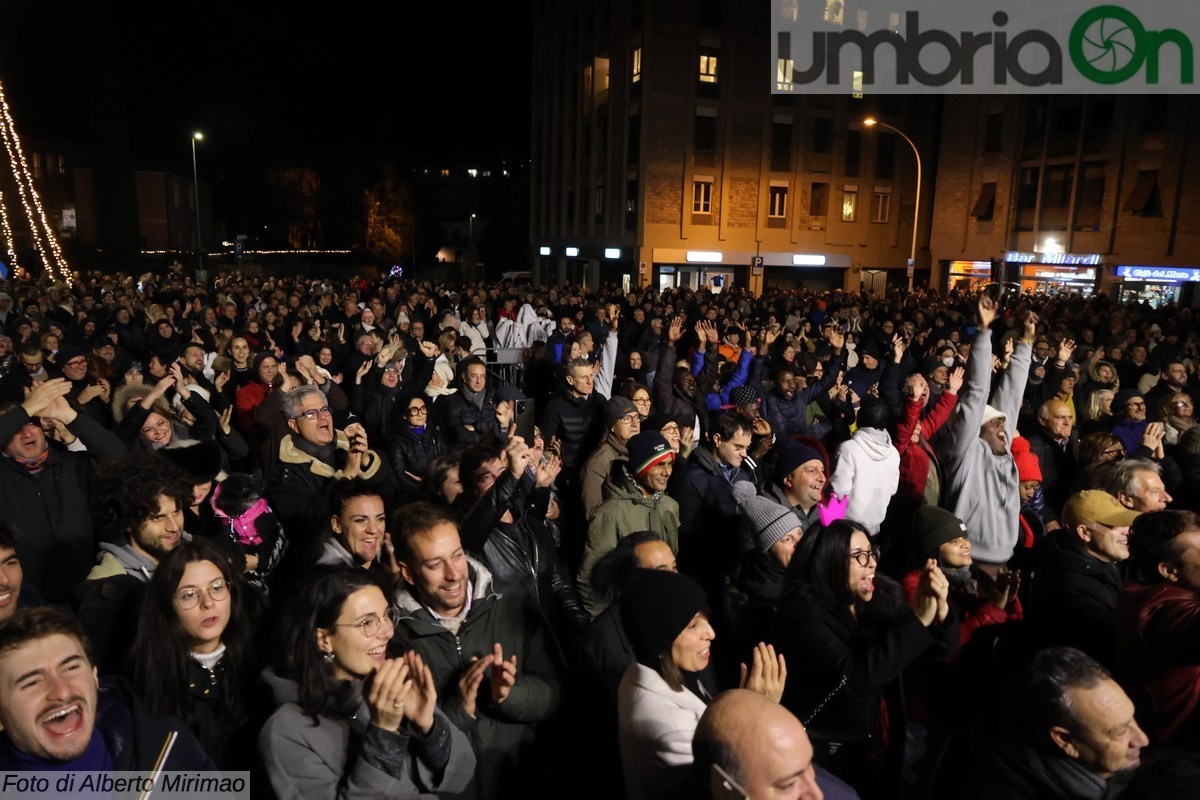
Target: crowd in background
[(379, 538)]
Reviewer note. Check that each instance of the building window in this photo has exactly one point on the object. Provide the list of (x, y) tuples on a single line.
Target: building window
[(849, 204), (885, 156), (777, 202), (631, 193), (781, 147), (37, 165), (853, 153), (599, 210), (1027, 197), (62, 165), (1091, 197), (702, 197), (991, 132), (818, 203), (881, 205), (822, 135), (445, 173), (634, 150), (708, 69), (1056, 197), (985, 204), (1145, 200), (784, 70), (706, 132), (637, 65)]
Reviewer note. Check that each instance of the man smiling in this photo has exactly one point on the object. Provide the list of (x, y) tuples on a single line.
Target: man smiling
[(57, 714)]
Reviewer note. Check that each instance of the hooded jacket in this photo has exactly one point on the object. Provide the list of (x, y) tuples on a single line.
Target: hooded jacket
[(981, 487), (627, 510), (868, 469), (595, 472), (709, 518), (353, 760), (503, 736)]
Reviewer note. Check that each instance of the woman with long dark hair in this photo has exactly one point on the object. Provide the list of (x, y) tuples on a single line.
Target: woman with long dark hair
[(849, 635), (414, 444), (194, 651), (355, 722)]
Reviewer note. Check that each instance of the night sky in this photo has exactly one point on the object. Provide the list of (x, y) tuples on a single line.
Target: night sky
[(423, 82)]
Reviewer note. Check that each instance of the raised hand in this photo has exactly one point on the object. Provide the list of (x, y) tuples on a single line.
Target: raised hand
[(422, 699), (925, 602), (504, 674), (957, 375), (899, 345), (987, 311), (1031, 321), (675, 331), (1065, 350), (387, 694), (516, 453), (837, 338), (548, 471), (767, 673), (363, 369)]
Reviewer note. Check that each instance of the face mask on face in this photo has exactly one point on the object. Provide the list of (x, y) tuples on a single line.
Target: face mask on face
[(948, 362)]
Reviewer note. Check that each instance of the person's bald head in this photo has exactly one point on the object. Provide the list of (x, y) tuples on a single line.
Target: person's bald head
[(760, 744), (1055, 417)]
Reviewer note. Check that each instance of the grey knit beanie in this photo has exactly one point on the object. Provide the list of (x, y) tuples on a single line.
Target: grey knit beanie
[(769, 521)]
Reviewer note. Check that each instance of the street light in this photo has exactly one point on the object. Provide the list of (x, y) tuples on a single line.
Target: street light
[(197, 137), (912, 256), (471, 233)]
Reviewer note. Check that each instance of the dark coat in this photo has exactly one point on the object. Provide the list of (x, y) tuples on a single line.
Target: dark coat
[(1059, 466), (521, 554), (708, 518), (827, 644), (407, 452), (1075, 597), (49, 510), (464, 423), (671, 400), (788, 417), (502, 736), (578, 424)]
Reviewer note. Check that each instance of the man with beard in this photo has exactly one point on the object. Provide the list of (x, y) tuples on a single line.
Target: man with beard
[(58, 714), (785, 405), (137, 505)]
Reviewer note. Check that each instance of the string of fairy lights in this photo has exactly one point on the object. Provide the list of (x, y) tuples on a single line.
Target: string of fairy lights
[(44, 240)]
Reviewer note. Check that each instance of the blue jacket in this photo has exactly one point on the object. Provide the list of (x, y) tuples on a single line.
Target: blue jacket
[(714, 400)]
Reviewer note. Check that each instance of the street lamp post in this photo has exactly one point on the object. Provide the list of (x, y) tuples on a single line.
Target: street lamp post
[(912, 254), (197, 137)]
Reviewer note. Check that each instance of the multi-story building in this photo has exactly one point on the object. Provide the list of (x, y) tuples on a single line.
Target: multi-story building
[(1087, 193), (661, 156)]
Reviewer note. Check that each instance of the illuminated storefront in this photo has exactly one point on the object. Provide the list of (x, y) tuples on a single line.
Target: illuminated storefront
[(1054, 273), (970, 275), (1154, 285)]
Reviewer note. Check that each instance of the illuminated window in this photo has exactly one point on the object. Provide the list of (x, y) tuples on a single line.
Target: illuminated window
[(849, 204), (856, 89), (37, 165), (62, 165), (445, 173), (881, 205), (777, 202), (784, 69), (702, 197), (637, 65), (708, 69)]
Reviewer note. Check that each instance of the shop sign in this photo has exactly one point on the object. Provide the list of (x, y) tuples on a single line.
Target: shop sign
[(1159, 274), (1061, 259)]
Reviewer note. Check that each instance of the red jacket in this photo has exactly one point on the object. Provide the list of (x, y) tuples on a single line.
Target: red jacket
[(973, 612), (1158, 655), (916, 459)]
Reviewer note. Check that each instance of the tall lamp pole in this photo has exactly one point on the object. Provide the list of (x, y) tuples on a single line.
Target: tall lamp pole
[(197, 137), (912, 255)]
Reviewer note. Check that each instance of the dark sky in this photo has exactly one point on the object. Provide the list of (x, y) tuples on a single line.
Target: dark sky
[(423, 81)]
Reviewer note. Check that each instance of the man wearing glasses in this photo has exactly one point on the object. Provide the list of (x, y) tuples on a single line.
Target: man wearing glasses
[(30, 367), (312, 459), (1055, 443), (1131, 425)]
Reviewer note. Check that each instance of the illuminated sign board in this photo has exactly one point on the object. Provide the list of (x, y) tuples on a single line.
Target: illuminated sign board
[(1064, 259), (1159, 274)]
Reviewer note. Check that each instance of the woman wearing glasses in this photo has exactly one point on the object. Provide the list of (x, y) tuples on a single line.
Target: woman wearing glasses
[(355, 722), (194, 656), (413, 446), (848, 635)]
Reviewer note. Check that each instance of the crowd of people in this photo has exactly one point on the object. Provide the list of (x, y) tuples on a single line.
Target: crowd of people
[(376, 538)]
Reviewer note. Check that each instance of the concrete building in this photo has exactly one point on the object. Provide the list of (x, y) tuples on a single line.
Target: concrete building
[(1098, 193), (661, 157)]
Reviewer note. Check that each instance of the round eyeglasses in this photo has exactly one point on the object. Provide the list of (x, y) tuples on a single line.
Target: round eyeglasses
[(370, 626), (864, 557), (189, 596)]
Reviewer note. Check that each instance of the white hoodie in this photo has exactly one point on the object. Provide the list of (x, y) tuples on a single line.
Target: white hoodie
[(868, 469)]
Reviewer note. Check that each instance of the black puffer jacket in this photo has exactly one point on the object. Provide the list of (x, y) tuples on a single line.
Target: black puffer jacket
[(464, 423), (577, 423), (521, 554), (410, 452)]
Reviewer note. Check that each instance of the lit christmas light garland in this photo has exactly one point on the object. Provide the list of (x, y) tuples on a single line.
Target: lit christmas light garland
[(56, 265), (17, 270)]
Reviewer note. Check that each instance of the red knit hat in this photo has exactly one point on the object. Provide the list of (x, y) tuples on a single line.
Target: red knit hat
[(1028, 468)]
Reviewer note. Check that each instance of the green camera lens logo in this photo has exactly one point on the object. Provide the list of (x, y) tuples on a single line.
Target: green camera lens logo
[(1110, 45)]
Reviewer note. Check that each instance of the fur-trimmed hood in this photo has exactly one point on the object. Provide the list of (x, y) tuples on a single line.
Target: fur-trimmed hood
[(289, 453)]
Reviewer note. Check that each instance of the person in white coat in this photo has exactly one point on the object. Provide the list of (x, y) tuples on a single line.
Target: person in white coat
[(668, 687), (868, 468)]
